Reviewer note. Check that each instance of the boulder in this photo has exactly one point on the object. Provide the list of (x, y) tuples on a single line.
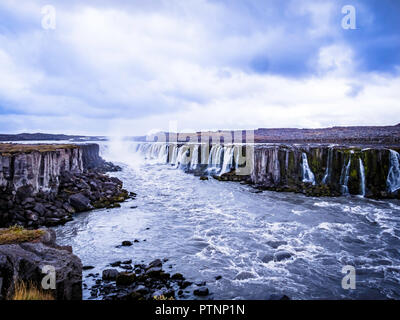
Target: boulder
[(201, 292), (126, 243), (67, 207), (156, 263), (80, 202), (110, 274), (26, 261), (125, 279), (40, 209)]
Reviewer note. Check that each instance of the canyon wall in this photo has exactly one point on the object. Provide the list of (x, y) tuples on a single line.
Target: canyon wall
[(37, 171), (315, 170), (47, 184)]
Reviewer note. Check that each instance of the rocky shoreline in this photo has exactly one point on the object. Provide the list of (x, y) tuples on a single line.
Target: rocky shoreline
[(126, 280)]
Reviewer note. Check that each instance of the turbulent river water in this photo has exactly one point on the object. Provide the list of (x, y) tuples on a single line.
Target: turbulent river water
[(209, 228)]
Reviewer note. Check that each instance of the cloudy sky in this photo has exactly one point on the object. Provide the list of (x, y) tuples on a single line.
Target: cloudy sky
[(128, 67)]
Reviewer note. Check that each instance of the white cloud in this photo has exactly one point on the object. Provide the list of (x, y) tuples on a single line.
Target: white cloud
[(104, 69)]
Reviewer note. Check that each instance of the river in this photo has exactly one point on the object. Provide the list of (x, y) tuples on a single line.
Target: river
[(210, 228)]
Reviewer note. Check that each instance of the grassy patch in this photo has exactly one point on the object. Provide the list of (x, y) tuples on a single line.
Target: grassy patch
[(13, 148), (162, 297), (17, 234), (29, 291)]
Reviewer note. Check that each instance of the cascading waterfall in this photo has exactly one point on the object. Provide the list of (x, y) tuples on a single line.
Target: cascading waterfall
[(214, 160), (174, 154), (308, 175), (393, 179), (195, 158), (266, 167), (327, 175), (362, 174), (344, 179), (183, 158), (228, 160)]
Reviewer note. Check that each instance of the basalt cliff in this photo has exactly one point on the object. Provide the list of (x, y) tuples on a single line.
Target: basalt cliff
[(47, 184)]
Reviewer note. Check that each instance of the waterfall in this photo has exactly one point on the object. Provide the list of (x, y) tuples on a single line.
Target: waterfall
[(214, 160), (238, 151), (195, 158), (308, 175), (393, 179), (183, 157), (163, 154), (228, 160), (362, 174), (344, 179), (174, 154), (327, 175)]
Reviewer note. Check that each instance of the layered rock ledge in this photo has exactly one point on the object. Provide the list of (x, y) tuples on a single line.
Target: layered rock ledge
[(26, 261), (47, 184)]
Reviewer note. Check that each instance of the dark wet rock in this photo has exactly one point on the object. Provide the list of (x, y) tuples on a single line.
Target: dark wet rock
[(203, 178), (156, 263), (136, 241), (201, 292), (278, 297), (126, 267), (125, 279), (218, 277), (142, 289), (282, 255), (126, 243), (115, 264), (126, 262), (80, 202), (145, 282), (201, 284), (185, 284), (40, 209), (177, 276), (68, 208), (87, 267), (110, 274)]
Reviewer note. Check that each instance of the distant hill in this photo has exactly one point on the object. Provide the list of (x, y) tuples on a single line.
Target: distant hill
[(47, 136)]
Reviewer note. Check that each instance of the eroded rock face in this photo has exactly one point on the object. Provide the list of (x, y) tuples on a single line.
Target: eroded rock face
[(46, 188), (336, 170), (25, 262), (38, 171)]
